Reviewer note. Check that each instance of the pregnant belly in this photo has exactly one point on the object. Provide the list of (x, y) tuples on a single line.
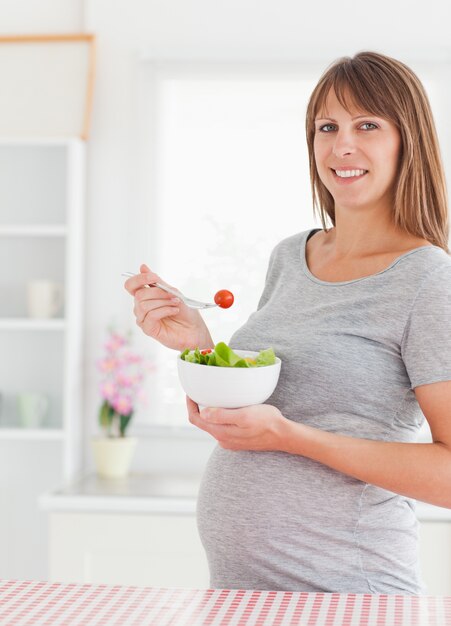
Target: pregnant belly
[(272, 520), (274, 501)]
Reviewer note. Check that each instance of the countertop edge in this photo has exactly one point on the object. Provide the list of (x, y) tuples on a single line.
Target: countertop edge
[(52, 502)]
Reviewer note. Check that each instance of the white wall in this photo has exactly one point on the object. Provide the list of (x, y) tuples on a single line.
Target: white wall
[(23, 17), (237, 28)]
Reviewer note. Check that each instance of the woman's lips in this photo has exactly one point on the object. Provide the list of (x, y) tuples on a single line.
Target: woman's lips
[(348, 180)]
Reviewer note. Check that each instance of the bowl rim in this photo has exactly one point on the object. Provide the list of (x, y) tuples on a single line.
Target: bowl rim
[(240, 353)]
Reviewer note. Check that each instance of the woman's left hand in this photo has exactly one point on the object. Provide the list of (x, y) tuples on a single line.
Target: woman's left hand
[(255, 427)]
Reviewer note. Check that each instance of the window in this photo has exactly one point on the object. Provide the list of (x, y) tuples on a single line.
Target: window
[(230, 180)]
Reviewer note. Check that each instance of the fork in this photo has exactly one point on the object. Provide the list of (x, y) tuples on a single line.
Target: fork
[(192, 304)]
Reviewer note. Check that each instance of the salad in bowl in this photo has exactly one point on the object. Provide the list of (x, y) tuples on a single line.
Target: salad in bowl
[(226, 378)]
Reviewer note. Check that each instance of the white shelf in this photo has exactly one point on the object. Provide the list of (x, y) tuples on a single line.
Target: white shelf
[(33, 230), (24, 434), (98, 504), (39, 141), (19, 323), (41, 235)]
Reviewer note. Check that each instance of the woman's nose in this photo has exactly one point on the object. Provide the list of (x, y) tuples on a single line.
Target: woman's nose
[(343, 144)]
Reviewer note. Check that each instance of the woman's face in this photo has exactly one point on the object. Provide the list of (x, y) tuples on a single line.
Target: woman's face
[(347, 143)]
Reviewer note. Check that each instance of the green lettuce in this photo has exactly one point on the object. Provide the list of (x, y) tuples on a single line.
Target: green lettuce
[(223, 356)]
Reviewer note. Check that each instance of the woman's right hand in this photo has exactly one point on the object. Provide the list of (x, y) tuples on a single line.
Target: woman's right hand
[(172, 324)]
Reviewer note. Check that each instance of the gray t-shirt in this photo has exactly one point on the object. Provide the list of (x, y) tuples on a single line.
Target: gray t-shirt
[(352, 352)]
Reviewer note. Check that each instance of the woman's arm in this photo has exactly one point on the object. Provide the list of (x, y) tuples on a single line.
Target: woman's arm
[(421, 471), (417, 470)]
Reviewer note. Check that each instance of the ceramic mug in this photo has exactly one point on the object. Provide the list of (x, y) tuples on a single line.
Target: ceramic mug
[(44, 298), (33, 408)]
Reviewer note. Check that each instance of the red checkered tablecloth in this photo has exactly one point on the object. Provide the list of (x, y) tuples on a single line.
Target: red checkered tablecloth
[(29, 603)]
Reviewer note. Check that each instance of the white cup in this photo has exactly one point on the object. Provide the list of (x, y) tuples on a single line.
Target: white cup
[(33, 408), (44, 298)]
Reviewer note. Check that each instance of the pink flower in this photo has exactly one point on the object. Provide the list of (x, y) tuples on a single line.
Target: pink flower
[(108, 390), (122, 404), (123, 372), (108, 365), (115, 342), (124, 381), (131, 357)]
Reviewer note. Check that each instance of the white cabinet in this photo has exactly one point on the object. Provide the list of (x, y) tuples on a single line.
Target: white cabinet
[(160, 550), (435, 555), (137, 530), (42, 192), (164, 550)]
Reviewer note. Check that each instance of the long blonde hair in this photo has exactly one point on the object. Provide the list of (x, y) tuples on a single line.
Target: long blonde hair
[(389, 89)]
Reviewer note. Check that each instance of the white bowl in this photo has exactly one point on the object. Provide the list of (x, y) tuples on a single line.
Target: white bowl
[(228, 387)]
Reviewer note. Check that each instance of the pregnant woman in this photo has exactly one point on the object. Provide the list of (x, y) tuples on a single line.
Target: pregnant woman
[(315, 490)]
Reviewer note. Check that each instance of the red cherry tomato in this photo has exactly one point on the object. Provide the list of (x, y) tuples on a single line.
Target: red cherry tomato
[(224, 298), (206, 351)]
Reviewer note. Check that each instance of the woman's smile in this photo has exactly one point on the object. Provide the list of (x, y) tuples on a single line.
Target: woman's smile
[(347, 177)]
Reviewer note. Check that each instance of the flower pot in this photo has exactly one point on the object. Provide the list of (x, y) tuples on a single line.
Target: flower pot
[(112, 455)]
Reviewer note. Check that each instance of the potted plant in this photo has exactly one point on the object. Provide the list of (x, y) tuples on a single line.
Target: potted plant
[(121, 388)]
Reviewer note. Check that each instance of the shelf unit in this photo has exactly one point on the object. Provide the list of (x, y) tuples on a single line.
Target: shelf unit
[(31, 324), (33, 230), (42, 196), (31, 434)]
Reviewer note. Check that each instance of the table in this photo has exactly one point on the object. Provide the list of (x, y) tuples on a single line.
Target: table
[(35, 603)]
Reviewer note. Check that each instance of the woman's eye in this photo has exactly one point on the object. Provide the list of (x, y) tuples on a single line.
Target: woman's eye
[(323, 129)]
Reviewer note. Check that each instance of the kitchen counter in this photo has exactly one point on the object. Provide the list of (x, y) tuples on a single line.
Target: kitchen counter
[(154, 514), (137, 493), (154, 493), (47, 604)]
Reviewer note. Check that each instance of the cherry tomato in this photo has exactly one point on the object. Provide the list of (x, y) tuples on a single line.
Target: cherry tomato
[(206, 351), (224, 298)]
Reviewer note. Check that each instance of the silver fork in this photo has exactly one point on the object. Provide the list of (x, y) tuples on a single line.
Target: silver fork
[(192, 304)]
